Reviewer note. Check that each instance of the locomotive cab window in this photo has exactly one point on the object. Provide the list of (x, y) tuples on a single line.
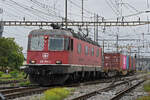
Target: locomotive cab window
[(56, 44), (36, 43)]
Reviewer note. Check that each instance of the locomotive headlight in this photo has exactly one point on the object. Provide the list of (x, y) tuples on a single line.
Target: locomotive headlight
[(58, 62), (33, 62)]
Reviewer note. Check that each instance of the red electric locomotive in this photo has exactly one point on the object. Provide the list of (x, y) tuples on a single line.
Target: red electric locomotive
[(57, 55)]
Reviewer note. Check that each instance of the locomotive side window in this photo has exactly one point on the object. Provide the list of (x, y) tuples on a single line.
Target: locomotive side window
[(71, 44), (86, 50), (66, 43), (97, 54), (92, 52), (37, 43), (29, 43), (79, 48), (56, 44)]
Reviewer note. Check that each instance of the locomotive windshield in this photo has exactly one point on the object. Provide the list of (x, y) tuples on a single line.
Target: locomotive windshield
[(56, 44), (36, 43)]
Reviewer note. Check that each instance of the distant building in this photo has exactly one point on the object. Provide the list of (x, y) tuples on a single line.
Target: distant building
[(143, 64)]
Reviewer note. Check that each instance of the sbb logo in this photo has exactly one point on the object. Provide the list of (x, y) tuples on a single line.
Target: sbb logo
[(45, 55)]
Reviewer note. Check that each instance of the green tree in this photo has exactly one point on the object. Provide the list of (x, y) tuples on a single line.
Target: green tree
[(10, 54)]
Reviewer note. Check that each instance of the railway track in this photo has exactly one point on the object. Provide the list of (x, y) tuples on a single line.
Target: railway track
[(16, 92), (117, 96), (9, 94), (11, 81), (126, 90), (11, 87), (104, 80), (86, 96)]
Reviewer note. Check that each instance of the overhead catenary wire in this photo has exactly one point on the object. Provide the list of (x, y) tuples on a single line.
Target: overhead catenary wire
[(46, 7), (25, 8), (85, 10), (111, 7), (33, 10), (36, 8)]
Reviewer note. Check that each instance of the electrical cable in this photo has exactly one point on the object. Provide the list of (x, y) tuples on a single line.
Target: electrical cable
[(33, 13)]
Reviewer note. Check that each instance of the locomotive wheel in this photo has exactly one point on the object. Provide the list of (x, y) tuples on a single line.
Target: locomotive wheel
[(46, 81), (32, 79)]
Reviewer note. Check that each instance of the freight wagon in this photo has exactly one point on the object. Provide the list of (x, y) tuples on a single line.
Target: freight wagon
[(118, 64)]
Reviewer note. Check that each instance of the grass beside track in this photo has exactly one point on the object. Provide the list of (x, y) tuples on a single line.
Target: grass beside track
[(18, 77), (57, 94), (7, 77), (146, 89), (144, 98)]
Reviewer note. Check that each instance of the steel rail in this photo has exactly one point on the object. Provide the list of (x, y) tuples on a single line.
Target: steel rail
[(12, 81), (24, 93), (19, 92), (4, 95), (9, 87), (7, 91), (121, 93), (86, 96), (13, 87)]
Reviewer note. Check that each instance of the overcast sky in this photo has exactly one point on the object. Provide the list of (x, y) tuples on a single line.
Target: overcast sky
[(53, 10)]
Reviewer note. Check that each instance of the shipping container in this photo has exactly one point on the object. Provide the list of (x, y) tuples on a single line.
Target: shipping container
[(118, 62), (115, 61), (130, 63), (111, 61), (127, 67), (124, 62), (134, 65)]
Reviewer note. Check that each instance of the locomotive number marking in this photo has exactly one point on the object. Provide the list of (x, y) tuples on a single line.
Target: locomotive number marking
[(45, 61)]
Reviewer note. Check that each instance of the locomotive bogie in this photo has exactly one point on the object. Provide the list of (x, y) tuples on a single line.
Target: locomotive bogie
[(50, 72)]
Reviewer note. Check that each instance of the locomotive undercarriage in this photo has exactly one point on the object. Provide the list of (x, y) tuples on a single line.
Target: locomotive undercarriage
[(60, 74)]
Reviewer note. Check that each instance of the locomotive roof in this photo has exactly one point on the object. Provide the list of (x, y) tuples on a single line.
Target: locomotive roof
[(50, 32), (61, 32)]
